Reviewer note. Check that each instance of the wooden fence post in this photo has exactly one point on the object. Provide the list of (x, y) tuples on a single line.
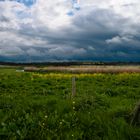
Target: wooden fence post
[(73, 86), (136, 115)]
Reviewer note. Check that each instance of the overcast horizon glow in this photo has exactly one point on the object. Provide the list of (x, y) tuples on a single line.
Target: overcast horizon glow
[(69, 30)]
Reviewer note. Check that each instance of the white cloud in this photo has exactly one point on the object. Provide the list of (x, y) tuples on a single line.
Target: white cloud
[(119, 39)]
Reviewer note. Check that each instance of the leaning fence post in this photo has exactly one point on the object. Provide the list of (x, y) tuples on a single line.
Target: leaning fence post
[(136, 114), (73, 86)]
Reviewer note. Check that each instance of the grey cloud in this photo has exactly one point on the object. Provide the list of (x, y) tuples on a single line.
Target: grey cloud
[(94, 34)]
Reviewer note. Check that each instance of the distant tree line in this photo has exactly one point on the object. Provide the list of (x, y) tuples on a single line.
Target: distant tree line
[(67, 63)]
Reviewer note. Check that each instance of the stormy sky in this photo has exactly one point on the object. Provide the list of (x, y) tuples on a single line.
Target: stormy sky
[(67, 30)]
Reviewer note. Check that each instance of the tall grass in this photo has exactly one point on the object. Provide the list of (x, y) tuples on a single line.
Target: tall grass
[(38, 106)]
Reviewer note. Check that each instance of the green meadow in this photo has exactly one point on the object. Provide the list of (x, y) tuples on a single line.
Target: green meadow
[(39, 106)]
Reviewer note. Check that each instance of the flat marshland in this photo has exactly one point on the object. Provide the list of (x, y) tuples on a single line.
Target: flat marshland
[(88, 69), (36, 105)]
